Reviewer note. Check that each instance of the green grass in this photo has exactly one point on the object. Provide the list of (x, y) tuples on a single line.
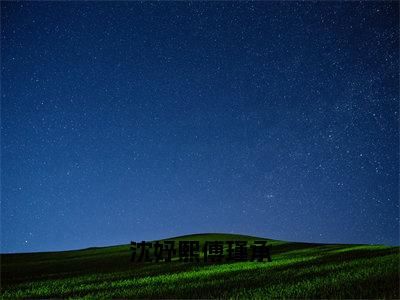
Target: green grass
[(298, 270)]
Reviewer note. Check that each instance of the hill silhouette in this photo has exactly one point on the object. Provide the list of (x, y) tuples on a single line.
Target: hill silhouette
[(297, 270)]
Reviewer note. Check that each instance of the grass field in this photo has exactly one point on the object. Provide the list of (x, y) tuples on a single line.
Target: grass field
[(298, 270)]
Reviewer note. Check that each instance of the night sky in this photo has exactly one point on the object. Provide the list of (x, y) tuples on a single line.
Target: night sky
[(138, 121)]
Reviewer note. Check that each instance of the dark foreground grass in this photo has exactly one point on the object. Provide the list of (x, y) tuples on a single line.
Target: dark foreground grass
[(298, 270)]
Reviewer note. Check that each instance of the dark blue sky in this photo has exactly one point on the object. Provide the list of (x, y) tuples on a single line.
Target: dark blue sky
[(127, 121)]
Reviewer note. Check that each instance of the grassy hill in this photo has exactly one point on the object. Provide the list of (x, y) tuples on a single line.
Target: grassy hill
[(298, 270)]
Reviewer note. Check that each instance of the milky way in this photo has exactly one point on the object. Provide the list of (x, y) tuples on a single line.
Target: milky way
[(138, 121)]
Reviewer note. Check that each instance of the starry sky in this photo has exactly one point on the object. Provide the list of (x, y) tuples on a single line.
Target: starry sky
[(138, 121)]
